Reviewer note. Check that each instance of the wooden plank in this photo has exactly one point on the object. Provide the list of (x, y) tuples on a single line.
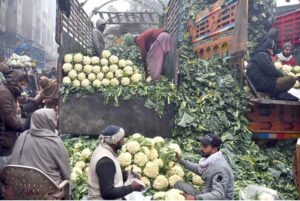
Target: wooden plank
[(277, 102)]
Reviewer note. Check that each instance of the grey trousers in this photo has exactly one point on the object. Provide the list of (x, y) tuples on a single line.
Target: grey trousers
[(187, 188)]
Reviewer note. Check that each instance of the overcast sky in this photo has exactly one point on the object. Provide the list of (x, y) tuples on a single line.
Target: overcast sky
[(122, 5)]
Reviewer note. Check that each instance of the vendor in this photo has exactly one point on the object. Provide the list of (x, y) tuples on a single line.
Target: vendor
[(214, 170), (286, 57), (105, 179), (263, 74), (48, 92), (154, 45)]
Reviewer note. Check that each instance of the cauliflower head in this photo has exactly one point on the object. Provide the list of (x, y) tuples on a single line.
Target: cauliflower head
[(104, 62), (160, 183), (85, 83), (106, 54), (151, 170), (133, 147), (122, 63), (67, 67), (66, 80), (174, 194), (95, 60), (88, 69), (125, 81), (153, 154), (174, 179), (176, 170), (100, 76), (86, 60), (125, 159), (97, 83), (105, 82), (68, 58), (92, 76), (175, 147), (114, 82), (78, 58), (96, 69), (197, 180), (78, 67), (76, 83), (140, 159), (72, 74)]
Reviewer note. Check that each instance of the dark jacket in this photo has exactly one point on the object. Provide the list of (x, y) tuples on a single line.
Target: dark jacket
[(8, 107), (262, 71)]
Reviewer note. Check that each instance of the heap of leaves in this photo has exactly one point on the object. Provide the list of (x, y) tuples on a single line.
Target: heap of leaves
[(212, 101)]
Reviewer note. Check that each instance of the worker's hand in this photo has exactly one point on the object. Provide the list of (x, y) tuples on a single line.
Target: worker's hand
[(189, 197), (136, 186), (178, 158), (135, 175)]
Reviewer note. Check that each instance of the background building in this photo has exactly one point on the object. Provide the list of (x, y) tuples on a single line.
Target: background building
[(34, 20)]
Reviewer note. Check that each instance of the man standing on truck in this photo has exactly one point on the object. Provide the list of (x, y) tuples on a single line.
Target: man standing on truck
[(154, 44), (105, 180), (97, 37), (286, 57), (263, 74), (214, 170)]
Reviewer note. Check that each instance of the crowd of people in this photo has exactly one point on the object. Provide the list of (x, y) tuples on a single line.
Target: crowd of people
[(36, 143)]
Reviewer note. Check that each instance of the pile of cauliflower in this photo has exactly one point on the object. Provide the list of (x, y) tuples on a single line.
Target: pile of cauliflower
[(84, 71), (154, 160), (19, 61), (290, 71)]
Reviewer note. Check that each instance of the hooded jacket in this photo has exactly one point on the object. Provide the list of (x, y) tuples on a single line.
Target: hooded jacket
[(98, 39), (41, 147), (10, 91), (262, 72)]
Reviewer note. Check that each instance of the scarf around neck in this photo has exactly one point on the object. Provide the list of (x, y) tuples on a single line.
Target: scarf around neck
[(281, 57), (204, 163)]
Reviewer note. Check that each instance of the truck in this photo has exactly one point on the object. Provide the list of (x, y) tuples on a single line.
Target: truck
[(213, 33)]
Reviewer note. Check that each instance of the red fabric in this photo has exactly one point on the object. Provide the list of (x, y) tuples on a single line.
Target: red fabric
[(146, 39), (291, 62)]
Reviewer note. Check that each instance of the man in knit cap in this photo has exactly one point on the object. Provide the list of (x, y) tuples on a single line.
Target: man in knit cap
[(105, 180), (286, 57)]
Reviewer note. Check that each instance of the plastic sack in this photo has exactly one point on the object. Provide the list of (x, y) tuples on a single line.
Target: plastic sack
[(255, 192), (138, 196)]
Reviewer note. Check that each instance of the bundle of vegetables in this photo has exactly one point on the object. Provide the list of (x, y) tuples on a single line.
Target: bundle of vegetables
[(290, 71), (87, 72), (151, 158), (19, 61), (154, 160)]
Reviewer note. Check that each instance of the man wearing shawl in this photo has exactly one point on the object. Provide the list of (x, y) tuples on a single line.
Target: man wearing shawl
[(286, 56), (48, 93), (214, 170), (154, 44), (105, 180)]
